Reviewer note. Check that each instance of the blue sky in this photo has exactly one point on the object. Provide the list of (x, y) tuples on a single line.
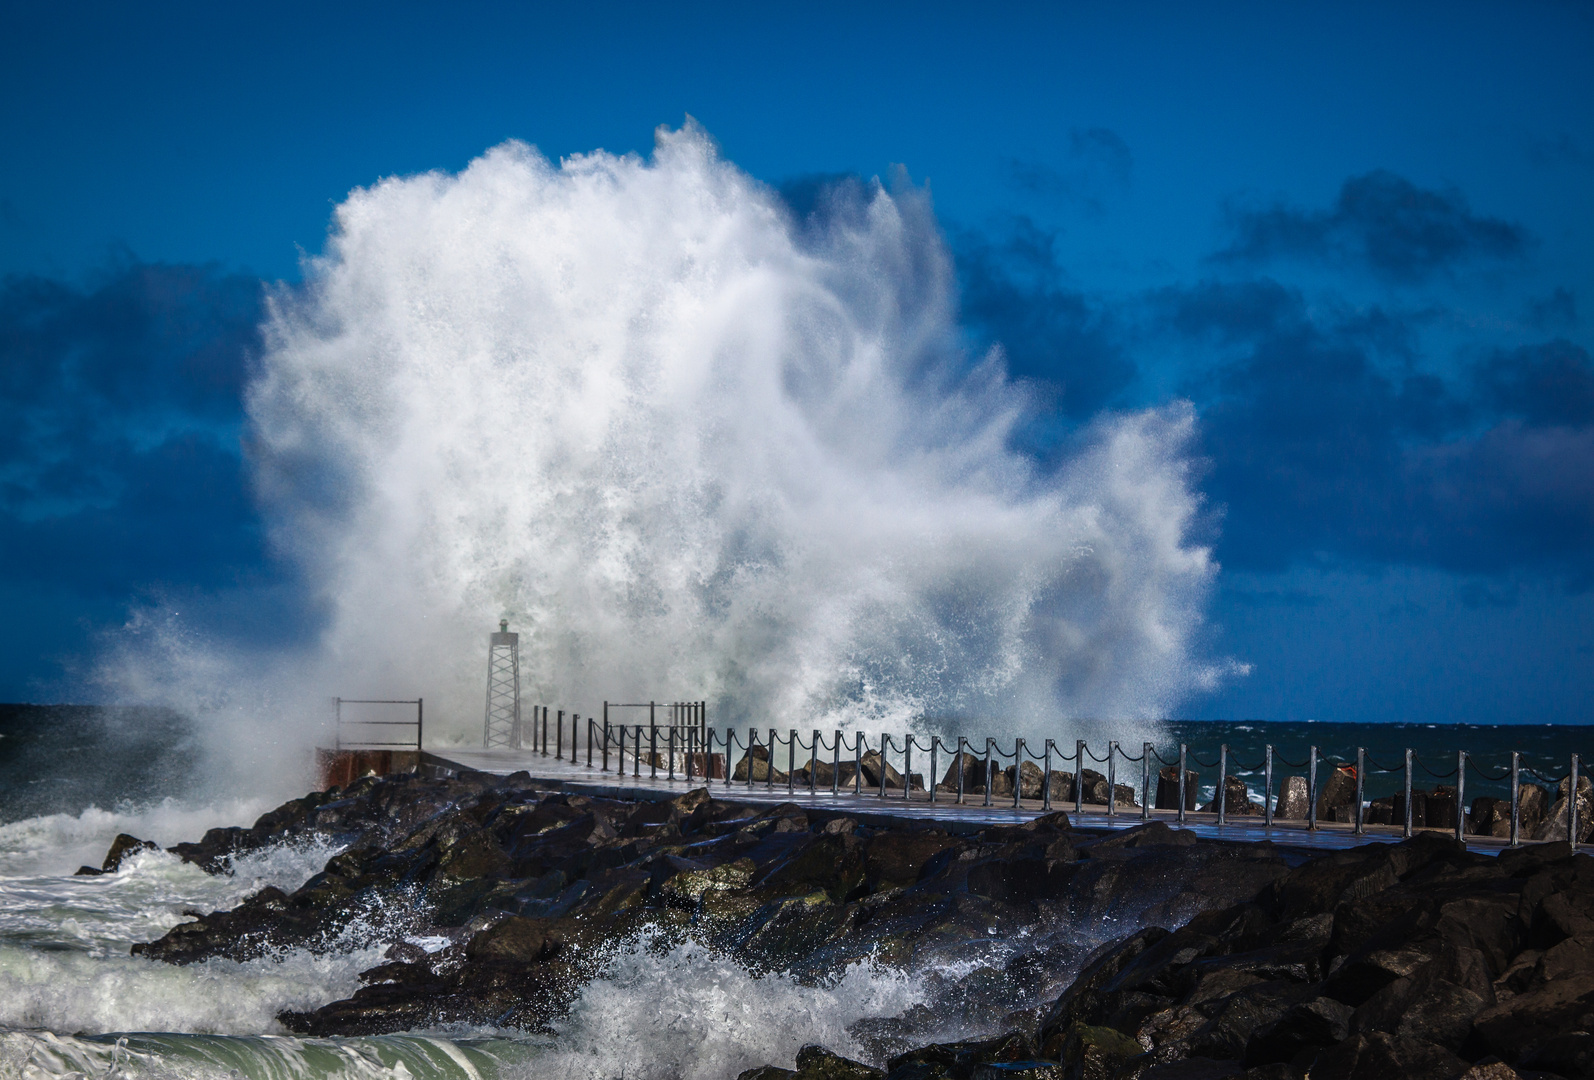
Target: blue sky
[(1359, 239)]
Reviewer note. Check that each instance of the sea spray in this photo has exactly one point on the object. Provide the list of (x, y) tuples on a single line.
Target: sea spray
[(690, 1012), (691, 448)]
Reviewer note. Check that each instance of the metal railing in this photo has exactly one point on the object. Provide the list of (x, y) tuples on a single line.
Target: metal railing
[(343, 724), (676, 743)]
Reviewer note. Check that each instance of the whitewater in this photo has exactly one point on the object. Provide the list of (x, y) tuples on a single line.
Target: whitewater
[(692, 445)]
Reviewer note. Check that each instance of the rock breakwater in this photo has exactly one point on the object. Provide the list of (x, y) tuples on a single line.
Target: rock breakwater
[(1044, 950)]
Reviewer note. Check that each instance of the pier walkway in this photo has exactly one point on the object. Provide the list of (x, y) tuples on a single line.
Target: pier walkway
[(945, 812)]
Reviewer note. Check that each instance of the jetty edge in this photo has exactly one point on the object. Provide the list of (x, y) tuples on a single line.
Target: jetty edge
[(1146, 953)]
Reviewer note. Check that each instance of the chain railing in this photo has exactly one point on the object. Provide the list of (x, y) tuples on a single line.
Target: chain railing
[(677, 743)]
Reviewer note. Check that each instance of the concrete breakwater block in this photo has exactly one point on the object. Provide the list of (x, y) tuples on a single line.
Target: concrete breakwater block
[(1168, 788), (1236, 800), (1293, 799)]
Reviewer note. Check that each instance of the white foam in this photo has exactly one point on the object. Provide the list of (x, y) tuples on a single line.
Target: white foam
[(45, 1056), (60, 843), (688, 448), (688, 1012), (65, 940)]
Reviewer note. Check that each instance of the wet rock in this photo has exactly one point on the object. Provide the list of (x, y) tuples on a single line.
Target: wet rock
[(1032, 779), (1168, 788), (1237, 799), (1380, 811), (1533, 807), (1338, 791), (1419, 808), (1293, 800), (1557, 823), (818, 1063), (1020, 1070), (827, 774), (1489, 817), (1381, 1055), (1096, 1053), (123, 846), (756, 760), (1441, 809), (873, 768), (958, 1060)]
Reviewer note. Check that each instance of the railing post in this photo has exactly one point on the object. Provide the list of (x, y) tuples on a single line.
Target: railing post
[(591, 726), (691, 750), (606, 739), (857, 764), (933, 780), (1046, 779), (791, 762), (559, 738), (769, 773), (1311, 791), (961, 768), (1461, 797), (907, 767), (574, 727), (1267, 786), (752, 741), (1145, 782), (1571, 807), (1018, 770), (989, 776), (1223, 784), (835, 767), (1079, 776), (636, 752), (1516, 799), (1112, 779), (813, 764), (1406, 832), (885, 744), (672, 754), (1184, 751), (653, 740), (1361, 782)]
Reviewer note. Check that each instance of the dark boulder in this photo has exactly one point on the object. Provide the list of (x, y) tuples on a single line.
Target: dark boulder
[(1237, 800), (1168, 788), (1337, 792)]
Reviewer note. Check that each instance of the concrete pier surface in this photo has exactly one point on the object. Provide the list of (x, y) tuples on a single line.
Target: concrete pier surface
[(944, 812)]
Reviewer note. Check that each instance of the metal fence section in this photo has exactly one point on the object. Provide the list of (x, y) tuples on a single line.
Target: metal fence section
[(352, 729)]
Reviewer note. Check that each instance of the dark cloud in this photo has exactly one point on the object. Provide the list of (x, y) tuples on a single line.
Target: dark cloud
[(1545, 385), (120, 419), (1550, 151), (1558, 311), (1317, 449), (1015, 294), (1380, 222), (1096, 166)]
